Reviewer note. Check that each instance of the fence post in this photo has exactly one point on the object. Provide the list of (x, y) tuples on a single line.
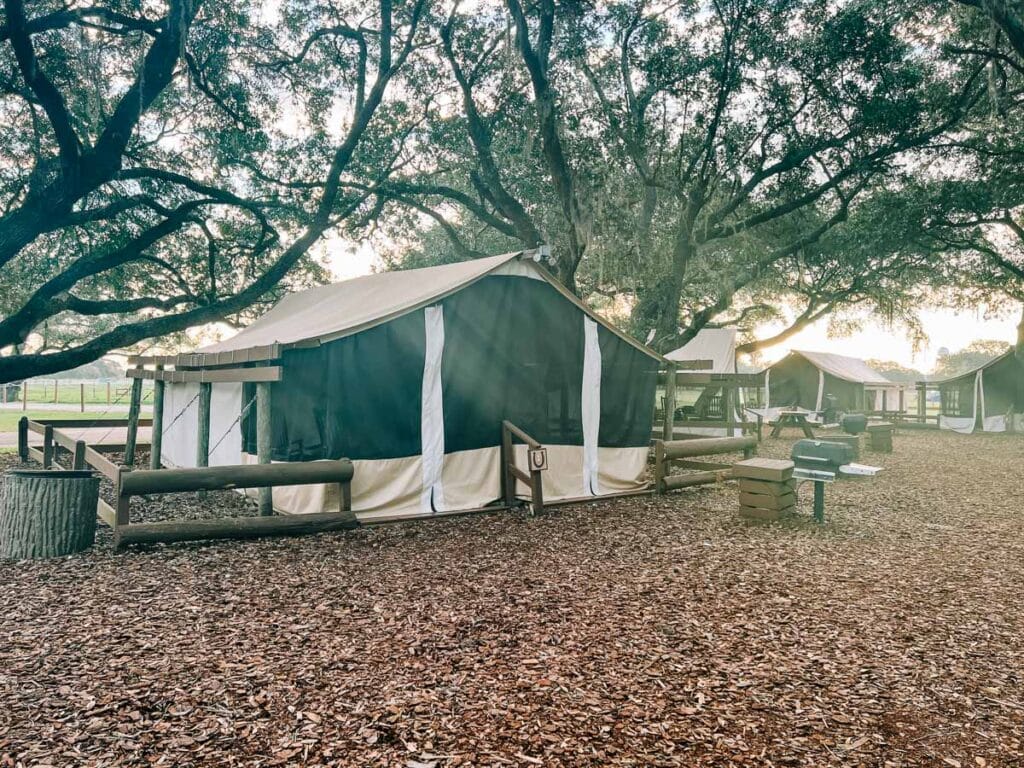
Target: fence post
[(264, 442), (508, 480), (134, 405), (121, 502), (537, 491), (203, 440), (23, 438), (108, 393), (79, 461), (668, 428), (56, 389), (659, 466), (24, 395), (47, 446), (156, 441), (81, 396)]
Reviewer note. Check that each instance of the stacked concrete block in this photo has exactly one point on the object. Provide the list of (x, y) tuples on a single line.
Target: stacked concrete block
[(767, 488)]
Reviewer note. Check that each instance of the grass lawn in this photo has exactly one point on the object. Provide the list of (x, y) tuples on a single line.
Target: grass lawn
[(9, 418)]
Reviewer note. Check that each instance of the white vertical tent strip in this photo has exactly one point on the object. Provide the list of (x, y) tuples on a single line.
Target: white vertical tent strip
[(821, 390), (767, 389), (979, 394), (432, 419), (591, 406)]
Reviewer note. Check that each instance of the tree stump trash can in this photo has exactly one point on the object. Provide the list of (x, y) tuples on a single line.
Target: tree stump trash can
[(47, 513), (881, 437)]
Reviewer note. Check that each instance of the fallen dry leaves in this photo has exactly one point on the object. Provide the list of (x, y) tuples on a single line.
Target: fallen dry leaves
[(652, 631)]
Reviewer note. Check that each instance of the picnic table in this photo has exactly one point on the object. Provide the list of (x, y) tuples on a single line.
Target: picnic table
[(792, 419)]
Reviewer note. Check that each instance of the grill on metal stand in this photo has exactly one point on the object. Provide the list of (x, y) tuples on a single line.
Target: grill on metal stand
[(820, 462)]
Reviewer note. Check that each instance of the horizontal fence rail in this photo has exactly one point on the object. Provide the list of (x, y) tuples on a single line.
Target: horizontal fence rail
[(680, 452)]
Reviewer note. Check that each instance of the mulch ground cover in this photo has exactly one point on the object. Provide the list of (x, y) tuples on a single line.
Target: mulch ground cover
[(654, 631)]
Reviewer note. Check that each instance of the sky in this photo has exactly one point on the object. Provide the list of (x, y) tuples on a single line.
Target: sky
[(952, 330)]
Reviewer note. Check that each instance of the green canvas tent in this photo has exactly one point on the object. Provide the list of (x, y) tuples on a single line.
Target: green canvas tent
[(809, 380), (987, 398)]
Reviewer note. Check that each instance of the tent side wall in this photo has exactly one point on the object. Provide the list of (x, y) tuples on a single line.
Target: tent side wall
[(793, 382), (957, 397), (848, 394), (1004, 386)]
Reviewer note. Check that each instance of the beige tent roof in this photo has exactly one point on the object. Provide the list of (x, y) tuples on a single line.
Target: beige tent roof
[(715, 344), (329, 312), (847, 368)]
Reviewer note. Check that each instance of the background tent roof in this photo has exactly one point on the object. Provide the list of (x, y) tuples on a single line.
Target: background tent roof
[(330, 312), (846, 368), (715, 344), (974, 371)]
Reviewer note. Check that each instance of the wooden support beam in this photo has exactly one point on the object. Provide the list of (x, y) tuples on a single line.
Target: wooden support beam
[(233, 528), (157, 440), (684, 379), (134, 406), (670, 403), (262, 373), (693, 365), (208, 359), (517, 432), (264, 444)]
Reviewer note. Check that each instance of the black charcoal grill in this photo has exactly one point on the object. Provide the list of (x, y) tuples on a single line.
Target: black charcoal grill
[(819, 461)]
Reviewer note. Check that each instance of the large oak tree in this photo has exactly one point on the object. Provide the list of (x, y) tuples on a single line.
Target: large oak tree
[(165, 165)]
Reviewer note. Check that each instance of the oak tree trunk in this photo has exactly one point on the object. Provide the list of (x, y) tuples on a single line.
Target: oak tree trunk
[(47, 513)]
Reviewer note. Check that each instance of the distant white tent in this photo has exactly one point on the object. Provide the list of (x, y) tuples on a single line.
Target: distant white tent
[(719, 346), (715, 344)]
